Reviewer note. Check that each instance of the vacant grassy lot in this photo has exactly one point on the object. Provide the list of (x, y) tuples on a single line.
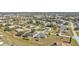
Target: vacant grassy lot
[(11, 39), (74, 43), (77, 33)]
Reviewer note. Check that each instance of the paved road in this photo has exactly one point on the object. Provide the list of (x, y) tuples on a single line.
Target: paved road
[(74, 33), (63, 35)]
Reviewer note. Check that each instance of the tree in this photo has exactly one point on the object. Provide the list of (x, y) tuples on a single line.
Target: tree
[(78, 19), (32, 30), (19, 33), (55, 27), (8, 25), (70, 39), (26, 38), (7, 29), (57, 34), (0, 25), (37, 22), (49, 33), (66, 23), (29, 21)]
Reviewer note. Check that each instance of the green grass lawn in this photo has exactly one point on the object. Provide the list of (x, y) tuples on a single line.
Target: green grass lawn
[(19, 41), (74, 42), (77, 33), (10, 39)]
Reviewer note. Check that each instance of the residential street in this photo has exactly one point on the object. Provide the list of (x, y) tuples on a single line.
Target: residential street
[(63, 35), (37, 29), (74, 33)]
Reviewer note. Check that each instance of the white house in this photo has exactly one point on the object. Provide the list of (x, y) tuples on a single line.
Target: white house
[(19, 30)]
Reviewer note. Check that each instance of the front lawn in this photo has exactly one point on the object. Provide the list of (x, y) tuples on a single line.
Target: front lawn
[(77, 33)]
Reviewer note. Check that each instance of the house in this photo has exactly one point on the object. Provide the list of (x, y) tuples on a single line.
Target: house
[(49, 24), (18, 26), (19, 30), (26, 29), (11, 27), (40, 35), (27, 35), (63, 28), (47, 29), (1, 21), (4, 24)]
